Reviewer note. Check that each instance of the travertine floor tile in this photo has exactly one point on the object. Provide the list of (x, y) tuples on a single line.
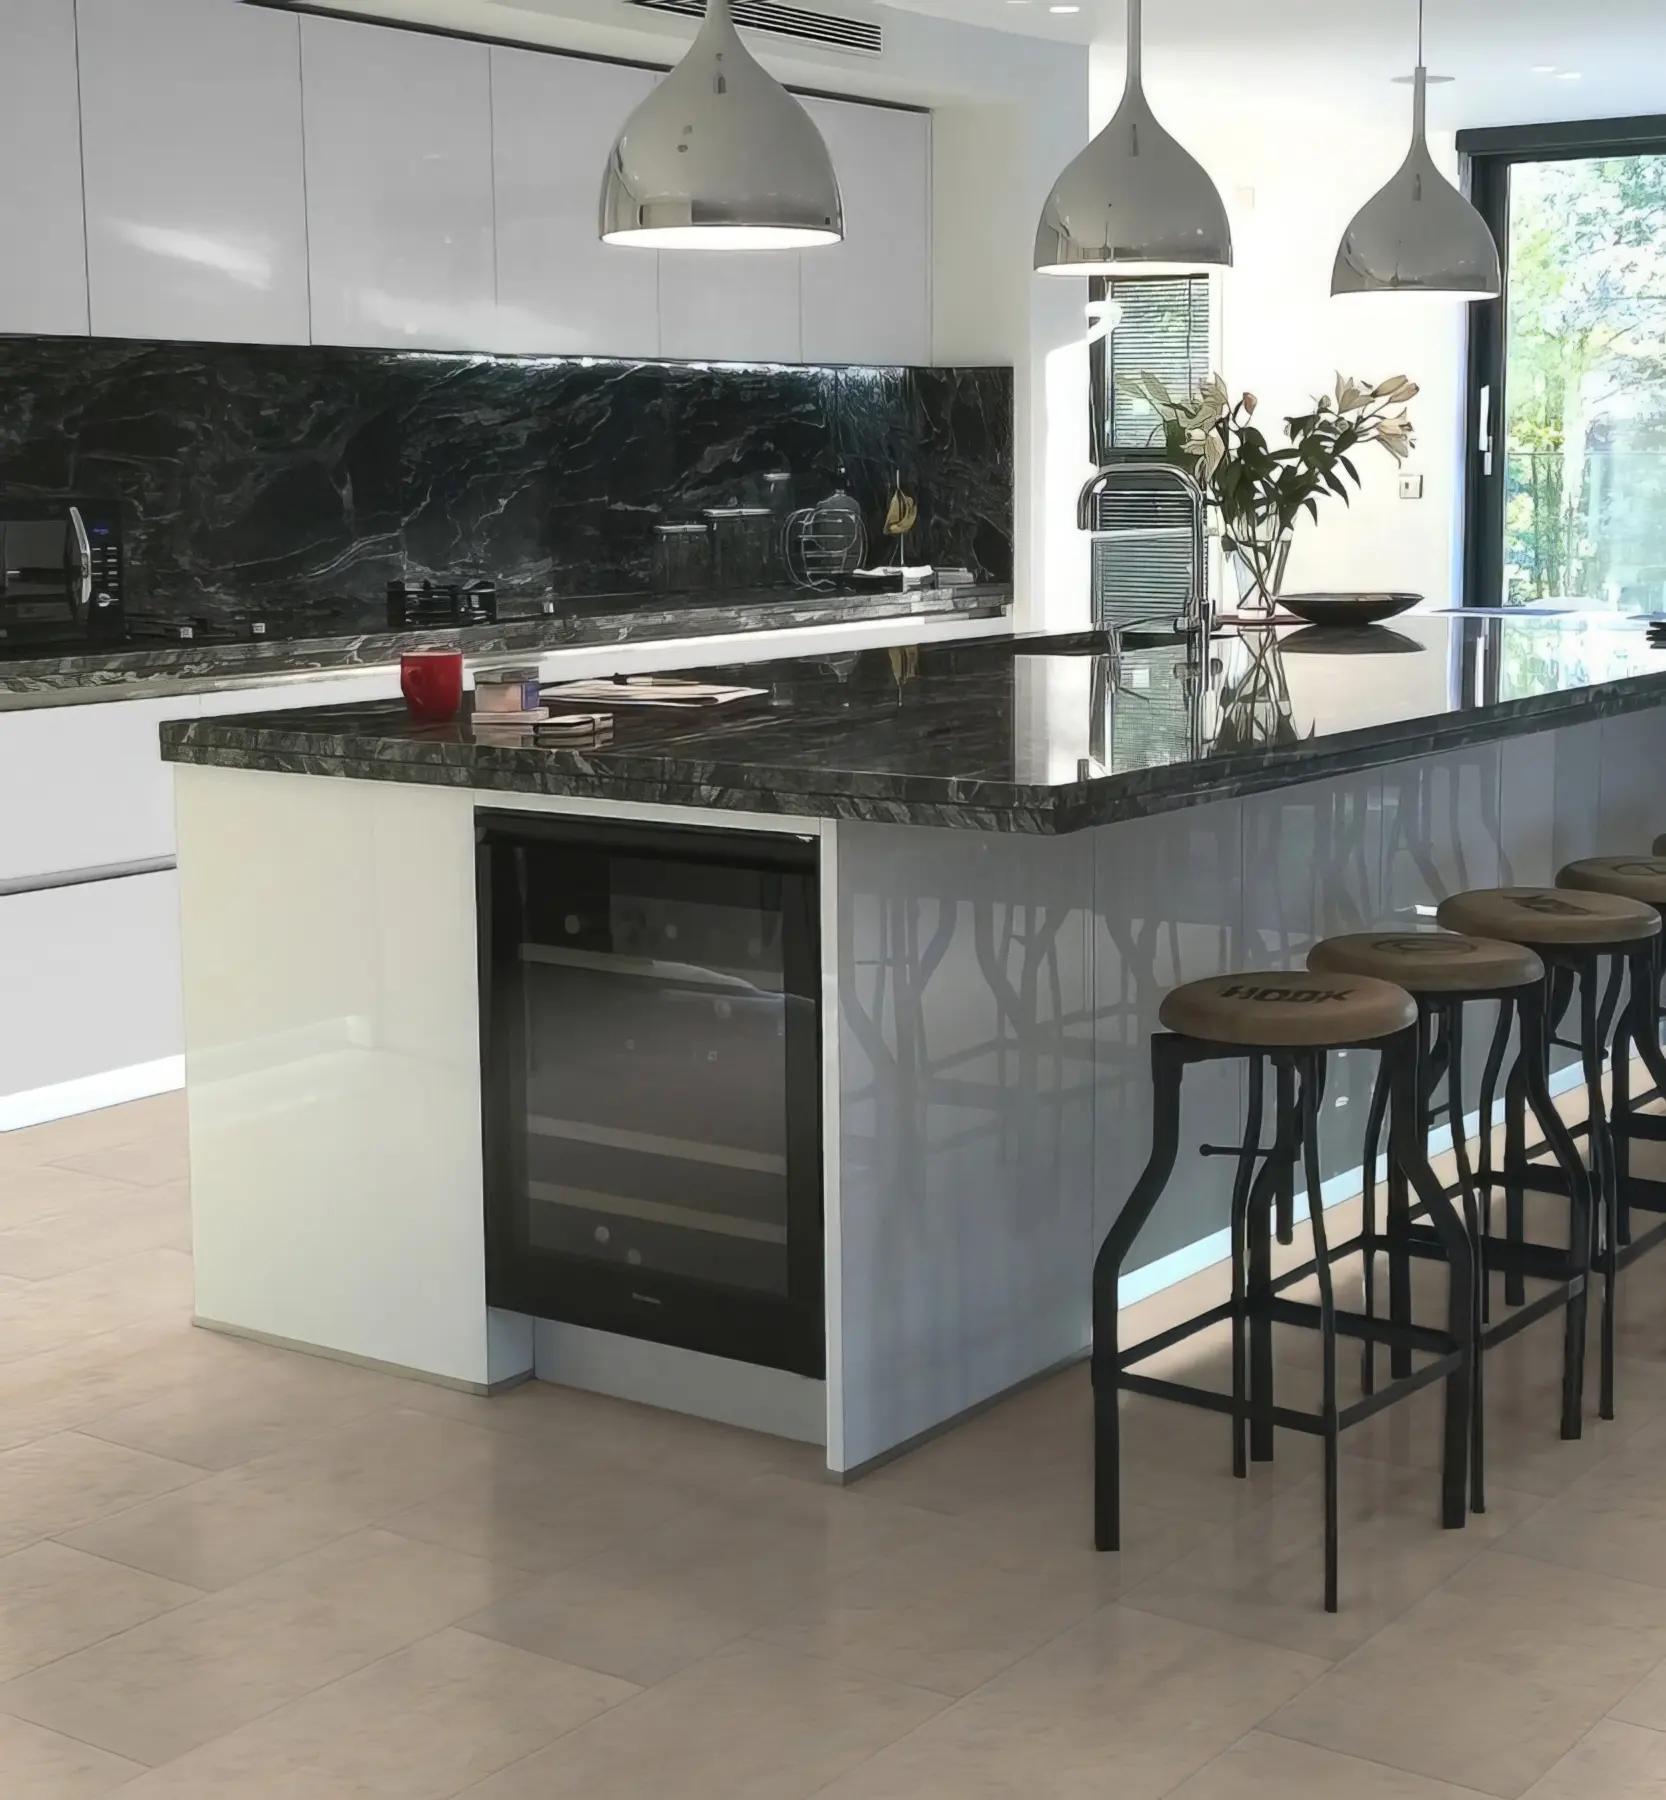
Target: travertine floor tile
[(1489, 1680), (1264, 1767), (945, 1613), (1125, 1704), (121, 1223), (1616, 1762), (178, 1681), (42, 1315), (1612, 1520), (37, 1764), (422, 1724), (155, 1160), (54, 1600), (1263, 1576), (55, 1483), (750, 1721)]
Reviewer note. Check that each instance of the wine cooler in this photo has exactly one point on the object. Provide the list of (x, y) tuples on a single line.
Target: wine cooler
[(651, 1050)]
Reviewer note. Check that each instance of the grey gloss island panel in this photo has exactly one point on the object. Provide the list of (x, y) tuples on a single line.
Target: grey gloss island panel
[(291, 483), (1042, 735)]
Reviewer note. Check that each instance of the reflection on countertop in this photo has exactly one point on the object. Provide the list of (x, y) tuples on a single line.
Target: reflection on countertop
[(1018, 734)]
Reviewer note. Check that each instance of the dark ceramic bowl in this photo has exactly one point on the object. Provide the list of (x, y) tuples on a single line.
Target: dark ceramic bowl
[(1347, 609)]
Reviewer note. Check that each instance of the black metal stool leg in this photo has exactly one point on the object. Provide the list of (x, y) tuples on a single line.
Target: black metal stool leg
[(1287, 1188), (1515, 1162), (1166, 1070), (1411, 1157), (1368, 1223), (1484, 1170), (1312, 1086), (1452, 1019), (1242, 1183), (1602, 1172), (1560, 1140), (1277, 1177)]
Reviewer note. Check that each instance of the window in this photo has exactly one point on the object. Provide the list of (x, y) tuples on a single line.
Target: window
[(1164, 329), (1567, 490)]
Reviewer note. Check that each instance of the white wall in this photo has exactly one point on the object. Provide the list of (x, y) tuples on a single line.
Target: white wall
[(1293, 170)]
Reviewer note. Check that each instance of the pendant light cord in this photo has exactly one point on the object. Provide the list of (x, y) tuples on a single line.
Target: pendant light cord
[(1420, 33)]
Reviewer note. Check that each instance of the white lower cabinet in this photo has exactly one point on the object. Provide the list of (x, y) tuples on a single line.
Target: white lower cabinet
[(89, 981)]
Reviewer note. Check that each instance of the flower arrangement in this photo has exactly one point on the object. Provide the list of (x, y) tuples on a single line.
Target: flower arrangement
[(1262, 491)]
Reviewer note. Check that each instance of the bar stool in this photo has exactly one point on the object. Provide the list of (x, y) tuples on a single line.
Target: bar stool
[(1643, 879), (1575, 935), (1445, 972), (1293, 1020)]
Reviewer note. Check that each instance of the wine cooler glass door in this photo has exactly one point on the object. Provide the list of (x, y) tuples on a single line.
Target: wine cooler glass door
[(653, 1066)]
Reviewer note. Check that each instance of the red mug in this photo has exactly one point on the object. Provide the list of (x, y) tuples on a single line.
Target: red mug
[(432, 683)]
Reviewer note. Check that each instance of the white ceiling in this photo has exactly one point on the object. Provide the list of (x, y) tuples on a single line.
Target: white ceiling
[(1333, 54)]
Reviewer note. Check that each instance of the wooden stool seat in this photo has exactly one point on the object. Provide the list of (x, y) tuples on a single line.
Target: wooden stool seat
[(1288, 1008), (1552, 917), (1429, 962), (1635, 877)]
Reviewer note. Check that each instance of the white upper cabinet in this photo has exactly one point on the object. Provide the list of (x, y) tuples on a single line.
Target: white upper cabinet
[(730, 305), (560, 289), (868, 299), (399, 187), (43, 274), (196, 195)]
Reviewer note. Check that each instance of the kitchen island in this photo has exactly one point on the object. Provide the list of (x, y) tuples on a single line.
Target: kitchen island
[(1013, 849)]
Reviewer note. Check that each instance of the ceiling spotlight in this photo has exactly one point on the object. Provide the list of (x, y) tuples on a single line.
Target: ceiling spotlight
[(1543, 69), (1570, 75), (1064, 9)]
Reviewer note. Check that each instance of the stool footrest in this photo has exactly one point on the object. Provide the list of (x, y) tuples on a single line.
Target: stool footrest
[(1641, 1244), (1211, 1401), (1542, 1262), (1651, 1127), (1362, 1327), (1518, 1318), (1397, 1390), (1176, 1334), (1644, 1194)]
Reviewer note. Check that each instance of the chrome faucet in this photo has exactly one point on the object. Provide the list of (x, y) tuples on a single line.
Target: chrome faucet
[(1142, 475)]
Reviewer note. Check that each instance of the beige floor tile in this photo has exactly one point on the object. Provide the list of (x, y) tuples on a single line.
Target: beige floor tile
[(32, 1193), (749, 1723), (180, 1680), (946, 1613), (82, 1381), (64, 1308), (384, 1462), (1646, 1703), (250, 1406), (1503, 1669), (1263, 1767), (1613, 1520), (1124, 1704), (422, 1724), (1616, 1762), (155, 1160), (37, 1764), (58, 1482), (122, 1223), (639, 1633), (1263, 1576), (54, 1600), (221, 1530), (163, 1116)]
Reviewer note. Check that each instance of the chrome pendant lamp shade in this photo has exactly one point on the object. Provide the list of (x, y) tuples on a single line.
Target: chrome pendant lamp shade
[(1419, 235), (720, 157), (1134, 202)]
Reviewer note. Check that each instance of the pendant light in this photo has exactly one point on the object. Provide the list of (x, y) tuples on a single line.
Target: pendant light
[(720, 157), (1419, 235), (1133, 202)]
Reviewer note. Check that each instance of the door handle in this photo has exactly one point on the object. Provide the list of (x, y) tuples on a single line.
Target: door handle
[(84, 559)]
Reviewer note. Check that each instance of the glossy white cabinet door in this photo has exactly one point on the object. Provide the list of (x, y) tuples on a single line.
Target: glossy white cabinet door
[(868, 299), (196, 195), (560, 289), (43, 273), (729, 306), (399, 186)]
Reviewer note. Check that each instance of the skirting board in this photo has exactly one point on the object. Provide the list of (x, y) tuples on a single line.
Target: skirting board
[(361, 1362), (91, 1093), (685, 1381)]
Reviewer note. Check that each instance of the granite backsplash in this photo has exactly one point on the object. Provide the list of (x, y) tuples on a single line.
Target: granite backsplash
[(292, 483)]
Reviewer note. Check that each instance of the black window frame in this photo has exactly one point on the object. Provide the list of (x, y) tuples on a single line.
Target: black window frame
[(1488, 156)]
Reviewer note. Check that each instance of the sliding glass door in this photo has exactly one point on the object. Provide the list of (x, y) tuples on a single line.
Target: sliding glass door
[(1567, 489)]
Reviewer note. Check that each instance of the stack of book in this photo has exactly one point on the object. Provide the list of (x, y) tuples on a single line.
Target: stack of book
[(508, 697)]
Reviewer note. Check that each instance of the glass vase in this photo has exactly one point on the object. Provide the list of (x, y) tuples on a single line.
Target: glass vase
[(1259, 557)]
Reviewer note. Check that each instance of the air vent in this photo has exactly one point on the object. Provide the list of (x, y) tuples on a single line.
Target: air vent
[(839, 31)]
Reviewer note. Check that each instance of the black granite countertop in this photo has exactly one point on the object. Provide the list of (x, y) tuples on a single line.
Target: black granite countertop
[(143, 670), (1019, 734)]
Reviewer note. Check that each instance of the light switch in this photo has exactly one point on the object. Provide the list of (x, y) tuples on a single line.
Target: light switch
[(1411, 487)]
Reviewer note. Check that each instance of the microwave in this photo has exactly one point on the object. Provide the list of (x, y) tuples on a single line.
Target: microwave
[(61, 574)]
